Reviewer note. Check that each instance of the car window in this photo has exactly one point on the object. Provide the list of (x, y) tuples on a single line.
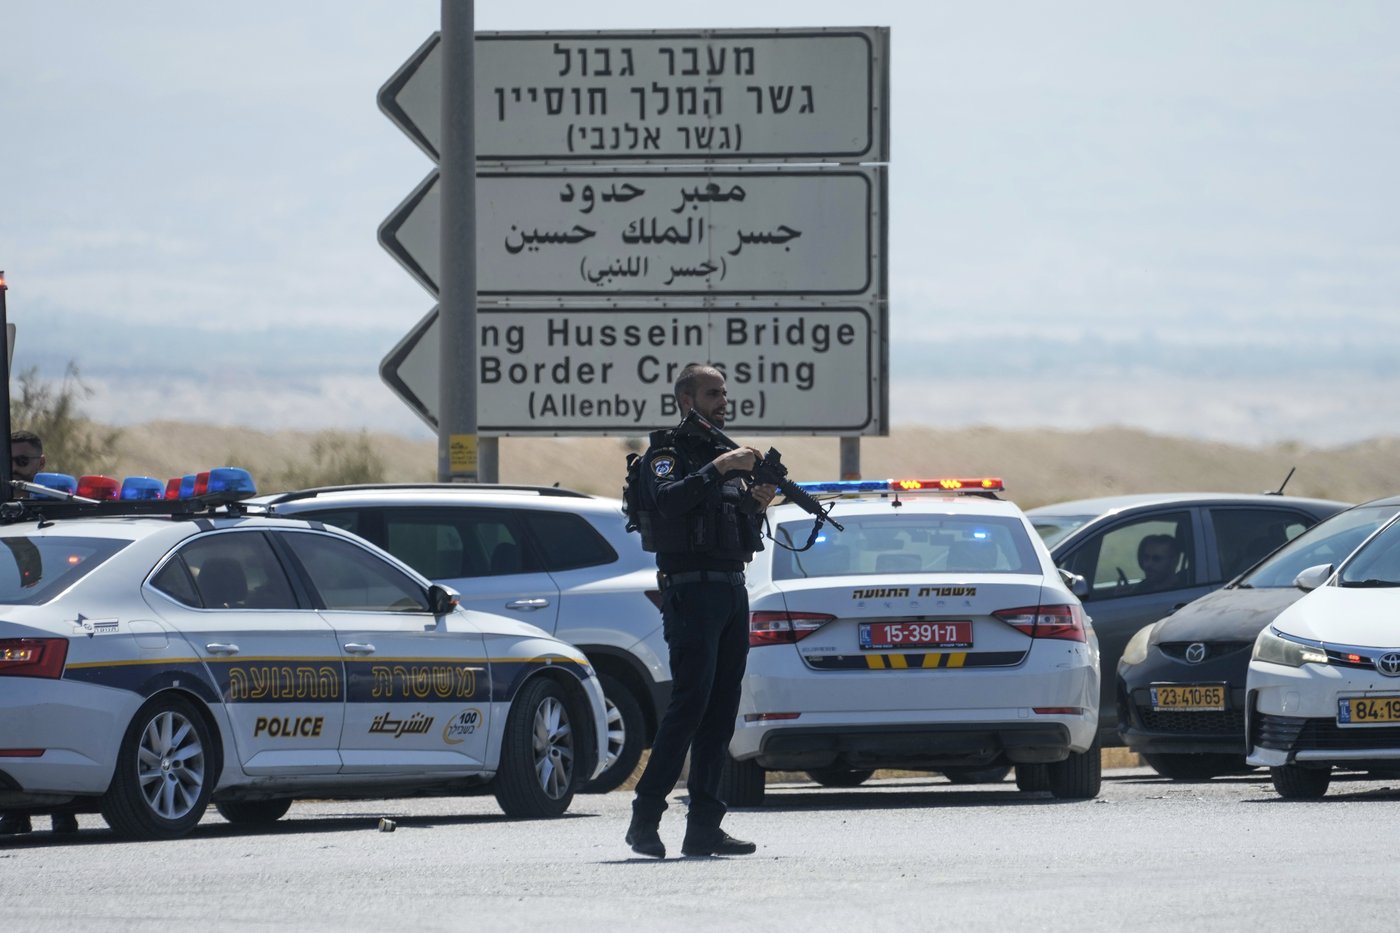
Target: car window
[(1377, 563), (1243, 536), (230, 570), (1327, 542), (348, 577), (911, 543), (1152, 554), (34, 570), (1055, 528), (567, 541)]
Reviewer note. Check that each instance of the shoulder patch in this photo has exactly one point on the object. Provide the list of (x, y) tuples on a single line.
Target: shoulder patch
[(663, 465)]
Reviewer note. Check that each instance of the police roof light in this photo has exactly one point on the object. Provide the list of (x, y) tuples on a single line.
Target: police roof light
[(948, 484), (231, 480), (97, 487), (59, 481), (141, 487)]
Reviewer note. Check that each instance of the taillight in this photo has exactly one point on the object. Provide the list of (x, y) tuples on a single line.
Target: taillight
[(1066, 622), (33, 657), (784, 628)]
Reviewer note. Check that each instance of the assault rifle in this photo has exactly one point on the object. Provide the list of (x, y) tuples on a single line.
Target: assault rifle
[(768, 471)]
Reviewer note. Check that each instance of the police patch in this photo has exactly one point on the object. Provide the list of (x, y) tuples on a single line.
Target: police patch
[(662, 466)]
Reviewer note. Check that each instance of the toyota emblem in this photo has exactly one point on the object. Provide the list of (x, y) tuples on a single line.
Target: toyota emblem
[(1196, 653), (1389, 664)]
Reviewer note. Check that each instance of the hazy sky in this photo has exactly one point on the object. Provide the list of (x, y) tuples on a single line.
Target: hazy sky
[(1177, 216)]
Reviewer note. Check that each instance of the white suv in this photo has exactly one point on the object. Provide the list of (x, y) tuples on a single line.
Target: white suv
[(559, 559)]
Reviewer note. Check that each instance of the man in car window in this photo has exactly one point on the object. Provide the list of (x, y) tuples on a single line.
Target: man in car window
[(702, 519), (1158, 556)]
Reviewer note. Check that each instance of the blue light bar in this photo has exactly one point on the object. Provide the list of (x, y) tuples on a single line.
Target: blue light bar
[(846, 486), (142, 487), (231, 480), (187, 486), (945, 484), (60, 481)]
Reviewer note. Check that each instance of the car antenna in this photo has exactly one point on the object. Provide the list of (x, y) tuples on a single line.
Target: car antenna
[(1279, 491)]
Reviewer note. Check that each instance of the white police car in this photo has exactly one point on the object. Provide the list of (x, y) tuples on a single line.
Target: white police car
[(1323, 688), (159, 655), (933, 633)]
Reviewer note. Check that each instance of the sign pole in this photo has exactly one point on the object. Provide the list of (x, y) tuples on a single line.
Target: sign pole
[(457, 425), (6, 491)]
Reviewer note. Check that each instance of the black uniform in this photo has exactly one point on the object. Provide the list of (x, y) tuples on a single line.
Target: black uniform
[(704, 528)]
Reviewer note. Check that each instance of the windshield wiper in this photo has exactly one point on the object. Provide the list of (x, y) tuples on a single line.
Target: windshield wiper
[(1370, 583)]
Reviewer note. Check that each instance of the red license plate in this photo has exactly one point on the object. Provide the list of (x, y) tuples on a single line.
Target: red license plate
[(916, 634)]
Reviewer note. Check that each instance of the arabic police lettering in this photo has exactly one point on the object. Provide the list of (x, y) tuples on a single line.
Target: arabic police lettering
[(274, 682), (417, 724), (286, 727), (420, 682)]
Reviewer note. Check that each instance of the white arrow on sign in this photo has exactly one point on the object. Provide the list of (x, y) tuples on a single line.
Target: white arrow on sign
[(411, 369), (412, 98), (412, 233)]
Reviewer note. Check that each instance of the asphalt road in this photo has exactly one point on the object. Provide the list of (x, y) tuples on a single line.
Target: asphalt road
[(911, 854)]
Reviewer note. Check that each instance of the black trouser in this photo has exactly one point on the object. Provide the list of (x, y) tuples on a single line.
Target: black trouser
[(707, 630)]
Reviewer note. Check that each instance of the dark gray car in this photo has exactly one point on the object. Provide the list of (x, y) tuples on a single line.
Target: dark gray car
[(1181, 681), (1204, 540)]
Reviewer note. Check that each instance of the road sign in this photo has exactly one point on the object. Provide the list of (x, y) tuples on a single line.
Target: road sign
[(599, 371), (819, 95), (734, 232)]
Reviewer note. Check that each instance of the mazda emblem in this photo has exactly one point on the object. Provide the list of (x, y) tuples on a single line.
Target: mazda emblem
[(1389, 664), (1196, 653)]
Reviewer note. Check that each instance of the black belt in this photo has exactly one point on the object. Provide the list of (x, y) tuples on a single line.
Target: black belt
[(733, 577)]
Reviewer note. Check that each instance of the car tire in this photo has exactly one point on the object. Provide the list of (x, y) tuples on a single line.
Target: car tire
[(992, 775), (626, 736), (1200, 767), (254, 812), (538, 775), (839, 777), (165, 772), (741, 783), (1079, 776), (1297, 783), (1032, 778)]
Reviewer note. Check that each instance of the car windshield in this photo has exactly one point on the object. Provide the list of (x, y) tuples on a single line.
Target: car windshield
[(1055, 528), (1377, 563), (905, 542), (35, 570), (1327, 542)]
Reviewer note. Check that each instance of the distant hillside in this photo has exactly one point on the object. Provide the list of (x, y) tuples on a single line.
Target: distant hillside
[(1038, 466)]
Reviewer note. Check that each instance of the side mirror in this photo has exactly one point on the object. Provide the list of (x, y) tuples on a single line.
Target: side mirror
[(442, 599), (1076, 583), (1313, 577)]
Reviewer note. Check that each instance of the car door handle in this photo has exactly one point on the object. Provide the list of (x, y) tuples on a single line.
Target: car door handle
[(527, 605), (355, 648), (218, 648)]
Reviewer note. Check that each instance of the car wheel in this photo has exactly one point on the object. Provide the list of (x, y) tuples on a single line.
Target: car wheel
[(1297, 783), (164, 773), (1195, 767), (993, 775), (741, 783), (537, 775), (626, 735), (839, 777), (253, 812), (1033, 778), (1079, 776)]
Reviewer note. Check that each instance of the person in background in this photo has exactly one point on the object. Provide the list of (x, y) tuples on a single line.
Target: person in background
[(26, 460)]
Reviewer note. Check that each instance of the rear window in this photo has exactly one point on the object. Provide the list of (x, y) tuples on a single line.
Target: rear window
[(35, 570), (909, 543), (1328, 542), (1055, 528)]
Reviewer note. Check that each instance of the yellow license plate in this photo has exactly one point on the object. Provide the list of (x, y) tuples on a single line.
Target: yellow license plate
[(1365, 711), (1188, 697)]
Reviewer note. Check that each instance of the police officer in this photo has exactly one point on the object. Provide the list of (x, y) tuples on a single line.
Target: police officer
[(703, 518)]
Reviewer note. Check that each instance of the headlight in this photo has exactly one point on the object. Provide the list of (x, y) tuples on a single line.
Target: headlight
[(1136, 651), (1276, 649)]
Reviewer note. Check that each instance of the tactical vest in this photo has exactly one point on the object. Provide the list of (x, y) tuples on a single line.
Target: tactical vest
[(716, 528)]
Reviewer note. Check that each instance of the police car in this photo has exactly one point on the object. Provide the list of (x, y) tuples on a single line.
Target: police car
[(933, 633), (157, 656)]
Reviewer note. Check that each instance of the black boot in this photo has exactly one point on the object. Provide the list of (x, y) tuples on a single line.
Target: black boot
[(642, 836), (714, 841)]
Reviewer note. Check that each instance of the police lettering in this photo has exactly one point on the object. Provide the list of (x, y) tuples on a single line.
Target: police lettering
[(286, 727)]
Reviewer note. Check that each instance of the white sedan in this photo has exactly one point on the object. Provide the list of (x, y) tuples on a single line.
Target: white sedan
[(933, 633), (155, 663), (1324, 681)]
